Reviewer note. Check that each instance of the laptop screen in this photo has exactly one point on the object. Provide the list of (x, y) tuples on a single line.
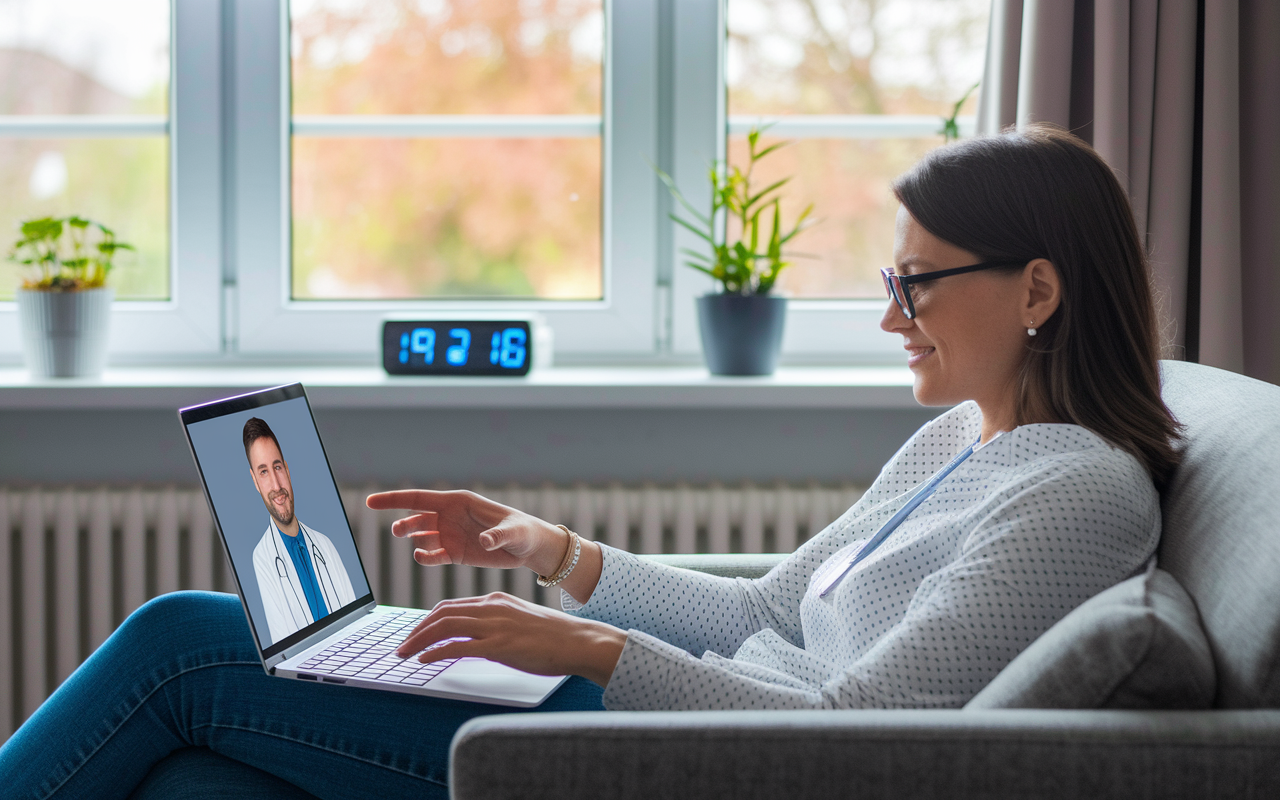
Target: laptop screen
[(276, 505)]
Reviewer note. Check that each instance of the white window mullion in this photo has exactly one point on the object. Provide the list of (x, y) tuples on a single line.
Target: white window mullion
[(78, 126), (698, 138), (847, 126), (451, 126), (259, 176), (190, 323)]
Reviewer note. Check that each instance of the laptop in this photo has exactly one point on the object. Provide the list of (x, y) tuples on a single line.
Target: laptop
[(299, 574)]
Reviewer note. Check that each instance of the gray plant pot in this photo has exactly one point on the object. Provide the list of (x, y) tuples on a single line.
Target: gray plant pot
[(741, 333), (64, 334)]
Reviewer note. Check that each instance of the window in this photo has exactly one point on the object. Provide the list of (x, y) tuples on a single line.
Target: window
[(293, 173), (90, 126), (447, 149), (860, 87), (84, 90), (441, 156)]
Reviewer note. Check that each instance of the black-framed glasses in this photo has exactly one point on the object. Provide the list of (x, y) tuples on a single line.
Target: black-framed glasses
[(899, 286)]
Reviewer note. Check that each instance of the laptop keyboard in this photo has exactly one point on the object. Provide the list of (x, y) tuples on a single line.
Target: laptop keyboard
[(370, 653)]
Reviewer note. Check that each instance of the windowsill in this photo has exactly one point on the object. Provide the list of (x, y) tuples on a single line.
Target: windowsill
[(557, 387)]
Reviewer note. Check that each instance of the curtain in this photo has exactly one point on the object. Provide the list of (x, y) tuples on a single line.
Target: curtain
[(1181, 98)]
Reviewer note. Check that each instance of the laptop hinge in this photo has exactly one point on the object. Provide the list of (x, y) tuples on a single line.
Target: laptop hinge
[(317, 637)]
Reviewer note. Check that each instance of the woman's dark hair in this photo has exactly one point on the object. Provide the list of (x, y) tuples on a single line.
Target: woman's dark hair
[(1042, 193)]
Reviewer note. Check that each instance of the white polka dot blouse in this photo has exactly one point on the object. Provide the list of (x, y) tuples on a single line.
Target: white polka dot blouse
[(1024, 530)]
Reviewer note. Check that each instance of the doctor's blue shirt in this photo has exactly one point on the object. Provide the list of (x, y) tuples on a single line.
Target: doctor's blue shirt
[(297, 547)]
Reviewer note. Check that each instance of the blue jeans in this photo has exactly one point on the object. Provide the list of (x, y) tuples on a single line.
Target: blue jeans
[(183, 671)]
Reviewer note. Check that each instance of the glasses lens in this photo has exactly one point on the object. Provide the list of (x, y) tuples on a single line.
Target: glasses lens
[(893, 286)]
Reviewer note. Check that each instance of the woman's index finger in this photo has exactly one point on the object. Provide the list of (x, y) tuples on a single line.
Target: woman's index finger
[(408, 499)]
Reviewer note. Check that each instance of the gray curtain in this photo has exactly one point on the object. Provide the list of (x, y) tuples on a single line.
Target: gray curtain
[(1182, 97)]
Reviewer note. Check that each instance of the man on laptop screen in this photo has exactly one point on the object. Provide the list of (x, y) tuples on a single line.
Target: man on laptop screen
[(301, 576)]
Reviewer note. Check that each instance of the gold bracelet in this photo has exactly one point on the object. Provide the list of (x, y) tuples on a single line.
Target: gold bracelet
[(571, 555)]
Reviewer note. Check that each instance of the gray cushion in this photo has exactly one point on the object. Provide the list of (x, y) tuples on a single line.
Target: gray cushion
[(1222, 524), (1136, 645)]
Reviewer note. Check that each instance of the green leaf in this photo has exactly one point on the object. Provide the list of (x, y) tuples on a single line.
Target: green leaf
[(703, 235), (679, 196), (694, 254), (771, 148), (802, 223), (775, 185), (701, 268), (950, 126)]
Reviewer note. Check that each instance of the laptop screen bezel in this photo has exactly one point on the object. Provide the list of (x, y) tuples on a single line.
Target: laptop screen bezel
[(191, 415)]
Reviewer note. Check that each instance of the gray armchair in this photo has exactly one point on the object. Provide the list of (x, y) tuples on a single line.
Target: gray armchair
[(1221, 542)]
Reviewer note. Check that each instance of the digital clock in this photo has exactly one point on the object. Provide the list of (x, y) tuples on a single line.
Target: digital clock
[(458, 347)]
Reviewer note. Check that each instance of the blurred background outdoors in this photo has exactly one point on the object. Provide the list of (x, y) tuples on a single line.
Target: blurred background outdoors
[(495, 216), (800, 57), (89, 58), (446, 217)]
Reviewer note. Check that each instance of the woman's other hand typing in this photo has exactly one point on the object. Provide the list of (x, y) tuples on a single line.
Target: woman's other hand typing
[(520, 634)]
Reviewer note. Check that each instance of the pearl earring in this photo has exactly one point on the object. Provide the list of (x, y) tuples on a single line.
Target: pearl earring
[(1031, 331)]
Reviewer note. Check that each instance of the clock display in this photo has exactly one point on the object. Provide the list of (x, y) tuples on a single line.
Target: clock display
[(452, 347)]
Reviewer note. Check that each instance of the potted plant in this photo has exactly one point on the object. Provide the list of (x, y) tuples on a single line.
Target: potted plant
[(64, 304), (742, 324)]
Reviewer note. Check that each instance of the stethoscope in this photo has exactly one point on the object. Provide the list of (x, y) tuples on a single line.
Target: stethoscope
[(282, 572)]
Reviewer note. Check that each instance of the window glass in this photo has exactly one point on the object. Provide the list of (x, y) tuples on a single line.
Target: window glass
[(407, 218), (847, 58), (503, 209), (88, 59)]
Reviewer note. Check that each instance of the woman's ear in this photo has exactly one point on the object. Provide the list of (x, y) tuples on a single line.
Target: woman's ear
[(1043, 291)]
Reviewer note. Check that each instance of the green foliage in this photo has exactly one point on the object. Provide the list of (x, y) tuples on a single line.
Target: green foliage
[(59, 253), (950, 127), (744, 266)]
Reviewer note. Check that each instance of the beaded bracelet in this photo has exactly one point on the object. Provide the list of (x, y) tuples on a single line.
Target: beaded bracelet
[(571, 555)]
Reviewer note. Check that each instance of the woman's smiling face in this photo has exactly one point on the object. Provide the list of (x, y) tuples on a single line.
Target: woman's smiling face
[(969, 335)]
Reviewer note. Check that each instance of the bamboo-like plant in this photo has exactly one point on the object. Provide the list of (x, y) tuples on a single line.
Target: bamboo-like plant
[(59, 252), (746, 266), (950, 129)]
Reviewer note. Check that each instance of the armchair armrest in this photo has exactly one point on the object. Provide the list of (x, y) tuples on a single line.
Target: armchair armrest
[(899, 754)]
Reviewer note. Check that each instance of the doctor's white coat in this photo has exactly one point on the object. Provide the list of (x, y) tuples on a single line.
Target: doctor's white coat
[(282, 597)]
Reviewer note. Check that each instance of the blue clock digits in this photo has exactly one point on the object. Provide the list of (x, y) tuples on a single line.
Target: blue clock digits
[(423, 341), (457, 353), (507, 349), (409, 347)]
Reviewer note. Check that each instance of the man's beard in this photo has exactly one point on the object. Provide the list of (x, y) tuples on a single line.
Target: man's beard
[(287, 519)]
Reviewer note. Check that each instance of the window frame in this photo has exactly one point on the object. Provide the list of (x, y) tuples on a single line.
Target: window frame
[(271, 324), (818, 330), (189, 322), (229, 129)]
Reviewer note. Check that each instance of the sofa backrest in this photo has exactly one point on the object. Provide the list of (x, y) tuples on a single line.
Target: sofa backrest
[(1222, 523)]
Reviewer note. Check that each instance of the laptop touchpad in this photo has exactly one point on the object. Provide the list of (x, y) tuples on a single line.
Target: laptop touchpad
[(480, 676)]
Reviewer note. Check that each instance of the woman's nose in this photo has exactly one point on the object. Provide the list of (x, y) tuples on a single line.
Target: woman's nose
[(893, 320)]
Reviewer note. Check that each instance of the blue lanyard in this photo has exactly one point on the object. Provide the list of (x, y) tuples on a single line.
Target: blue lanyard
[(896, 520)]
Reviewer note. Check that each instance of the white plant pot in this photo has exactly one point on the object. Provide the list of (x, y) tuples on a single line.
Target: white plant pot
[(64, 334)]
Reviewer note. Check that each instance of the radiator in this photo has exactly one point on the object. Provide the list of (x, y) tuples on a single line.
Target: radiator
[(76, 562)]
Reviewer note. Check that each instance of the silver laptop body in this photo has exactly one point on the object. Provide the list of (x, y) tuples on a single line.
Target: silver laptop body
[(353, 643)]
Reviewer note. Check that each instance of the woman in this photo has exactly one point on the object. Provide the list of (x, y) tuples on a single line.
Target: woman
[(1021, 293)]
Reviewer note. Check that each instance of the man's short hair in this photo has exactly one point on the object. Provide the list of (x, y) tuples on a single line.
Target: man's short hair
[(254, 430)]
